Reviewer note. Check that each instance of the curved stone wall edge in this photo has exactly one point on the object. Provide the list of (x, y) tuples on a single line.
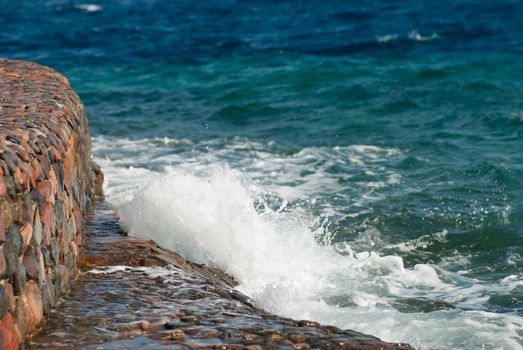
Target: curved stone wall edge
[(48, 181)]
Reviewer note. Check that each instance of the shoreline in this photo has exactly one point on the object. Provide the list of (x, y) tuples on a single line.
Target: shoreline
[(48, 184), (199, 307)]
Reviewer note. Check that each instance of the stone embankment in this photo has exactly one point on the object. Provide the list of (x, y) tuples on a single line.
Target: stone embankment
[(48, 182)]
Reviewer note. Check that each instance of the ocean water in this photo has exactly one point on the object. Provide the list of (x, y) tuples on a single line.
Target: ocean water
[(355, 163)]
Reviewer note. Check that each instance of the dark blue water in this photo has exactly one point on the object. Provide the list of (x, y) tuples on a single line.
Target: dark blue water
[(397, 128), (167, 31)]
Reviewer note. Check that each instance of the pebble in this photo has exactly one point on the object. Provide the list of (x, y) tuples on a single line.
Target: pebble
[(26, 232), (276, 338), (270, 332), (3, 301), (340, 343), (31, 263), (229, 347), (207, 333), (307, 323), (178, 335), (217, 320), (331, 329), (296, 338), (10, 298), (32, 305), (2, 262), (189, 319), (191, 331), (250, 338), (9, 333)]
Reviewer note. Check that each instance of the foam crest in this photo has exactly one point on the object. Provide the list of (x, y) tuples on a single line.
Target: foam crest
[(387, 38), (89, 7), (416, 36), (312, 172)]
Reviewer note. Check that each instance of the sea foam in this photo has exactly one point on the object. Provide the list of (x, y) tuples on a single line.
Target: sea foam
[(89, 7), (416, 36)]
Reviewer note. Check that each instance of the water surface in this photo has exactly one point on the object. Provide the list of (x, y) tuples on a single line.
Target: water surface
[(354, 163)]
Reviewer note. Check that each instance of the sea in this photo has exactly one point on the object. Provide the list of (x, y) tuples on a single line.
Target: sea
[(357, 163)]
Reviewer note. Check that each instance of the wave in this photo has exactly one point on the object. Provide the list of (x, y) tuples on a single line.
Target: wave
[(285, 173), (413, 35), (387, 38), (416, 36), (276, 258), (260, 223), (89, 7)]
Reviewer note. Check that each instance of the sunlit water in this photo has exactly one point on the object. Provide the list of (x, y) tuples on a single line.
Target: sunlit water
[(357, 164), (277, 223)]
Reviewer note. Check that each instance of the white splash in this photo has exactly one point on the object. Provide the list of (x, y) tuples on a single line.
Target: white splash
[(387, 38), (416, 36), (89, 7)]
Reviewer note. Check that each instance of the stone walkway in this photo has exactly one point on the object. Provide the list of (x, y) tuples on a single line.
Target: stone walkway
[(134, 295)]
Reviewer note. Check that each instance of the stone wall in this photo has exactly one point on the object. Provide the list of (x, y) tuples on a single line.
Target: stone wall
[(47, 183)]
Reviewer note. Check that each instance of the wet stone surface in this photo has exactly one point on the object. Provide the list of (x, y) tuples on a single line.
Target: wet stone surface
[(133, 294)]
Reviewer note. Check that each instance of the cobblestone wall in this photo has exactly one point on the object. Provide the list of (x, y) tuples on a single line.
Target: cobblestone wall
[(47, 183)]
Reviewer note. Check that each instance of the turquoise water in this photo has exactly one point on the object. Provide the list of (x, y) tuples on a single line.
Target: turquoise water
[(358, 164), (456, 125), (411, 157)]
